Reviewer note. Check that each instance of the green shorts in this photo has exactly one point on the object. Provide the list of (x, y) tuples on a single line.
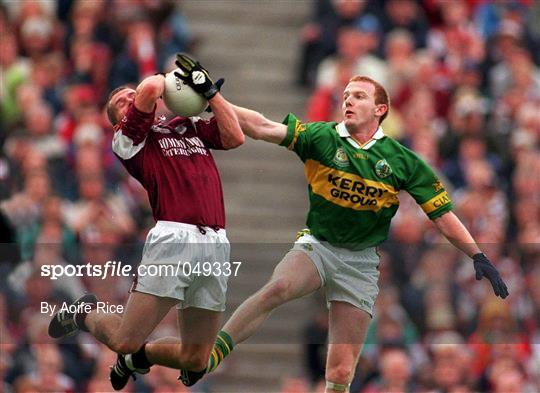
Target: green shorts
[(347, 276)]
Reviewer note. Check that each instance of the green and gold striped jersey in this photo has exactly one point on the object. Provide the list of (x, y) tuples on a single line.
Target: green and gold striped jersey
[(353, 188)]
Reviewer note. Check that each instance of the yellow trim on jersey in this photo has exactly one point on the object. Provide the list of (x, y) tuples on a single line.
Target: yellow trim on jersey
[(298, 128), (349, 190), (436, 202)]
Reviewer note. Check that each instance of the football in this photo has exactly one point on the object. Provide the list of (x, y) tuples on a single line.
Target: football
[(180, 98)]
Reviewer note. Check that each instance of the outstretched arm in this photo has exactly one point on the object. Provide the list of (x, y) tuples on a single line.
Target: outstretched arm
[(256, 126), (456, 233)]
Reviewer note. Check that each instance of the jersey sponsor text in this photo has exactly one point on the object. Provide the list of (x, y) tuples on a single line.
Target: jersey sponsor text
[(349, 190), (185, 147)]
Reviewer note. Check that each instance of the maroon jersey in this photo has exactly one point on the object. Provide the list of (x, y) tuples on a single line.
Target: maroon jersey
[(172, 161)]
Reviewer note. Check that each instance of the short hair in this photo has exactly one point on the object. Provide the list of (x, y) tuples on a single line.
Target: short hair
[(381, 95), (111, 112)]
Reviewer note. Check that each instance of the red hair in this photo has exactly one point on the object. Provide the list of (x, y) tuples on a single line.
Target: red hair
[(381, 95)]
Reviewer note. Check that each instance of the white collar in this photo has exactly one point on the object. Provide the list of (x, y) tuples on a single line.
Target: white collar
[(344, 133)]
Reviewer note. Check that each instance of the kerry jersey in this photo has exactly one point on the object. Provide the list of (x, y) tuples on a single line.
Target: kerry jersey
[(353, 188), (172, 161)]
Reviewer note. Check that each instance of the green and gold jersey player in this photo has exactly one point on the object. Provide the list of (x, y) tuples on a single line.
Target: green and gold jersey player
[(353, 188)]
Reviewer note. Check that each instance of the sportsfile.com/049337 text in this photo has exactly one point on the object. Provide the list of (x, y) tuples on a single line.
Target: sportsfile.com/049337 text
[(119, 269)]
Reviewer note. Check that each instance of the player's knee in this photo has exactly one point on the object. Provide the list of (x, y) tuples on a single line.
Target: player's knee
[(339, 373), (125, 346), (276, 292), (194, 360)]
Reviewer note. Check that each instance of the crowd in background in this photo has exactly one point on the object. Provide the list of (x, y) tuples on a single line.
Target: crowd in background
[(464, 82)]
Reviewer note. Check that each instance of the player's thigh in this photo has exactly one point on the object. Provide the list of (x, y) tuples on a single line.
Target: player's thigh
[(198, 326), (346, 334), (143, 313), (296, 274)]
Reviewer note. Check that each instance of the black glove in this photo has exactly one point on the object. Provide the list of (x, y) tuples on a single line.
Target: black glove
[(196, 76), (484, 268), (218, 83)]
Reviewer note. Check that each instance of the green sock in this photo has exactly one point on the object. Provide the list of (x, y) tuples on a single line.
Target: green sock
[(222, 347)]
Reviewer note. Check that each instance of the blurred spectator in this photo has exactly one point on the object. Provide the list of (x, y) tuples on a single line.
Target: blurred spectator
[(174, 34), (97, 217), (510, 381), (47, 374), (398, 52), (407, 15), (14, 70), (319, 36), (429, 294), (496, 337), (355, 46), (90, 62), (24, 208), (395, 370), (325, 102), (428, 74), (138, 58), (42, 138), (456, 42), (294, 385), (482, 206), (315, 345)]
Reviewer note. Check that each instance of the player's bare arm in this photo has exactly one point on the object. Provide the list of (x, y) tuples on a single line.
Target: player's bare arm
[(148, 92), (256, 126), (453, 229), (456, 233), (229, 130)]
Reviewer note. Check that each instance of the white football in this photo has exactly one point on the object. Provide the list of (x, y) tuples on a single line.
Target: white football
[(180, 98)]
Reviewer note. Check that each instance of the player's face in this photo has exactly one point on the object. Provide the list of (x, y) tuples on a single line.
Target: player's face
[(121, 102), (359, 106)]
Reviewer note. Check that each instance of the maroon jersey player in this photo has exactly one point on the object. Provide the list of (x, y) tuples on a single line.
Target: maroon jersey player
[(173, 162)]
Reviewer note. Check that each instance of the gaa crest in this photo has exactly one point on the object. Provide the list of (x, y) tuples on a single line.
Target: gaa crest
[(340, 158), (383, 169)]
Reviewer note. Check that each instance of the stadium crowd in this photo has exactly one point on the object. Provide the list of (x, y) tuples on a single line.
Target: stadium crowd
[(464, 80)]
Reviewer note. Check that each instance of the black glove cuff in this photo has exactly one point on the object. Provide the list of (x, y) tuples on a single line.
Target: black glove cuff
[(479, 257), (211, 92)]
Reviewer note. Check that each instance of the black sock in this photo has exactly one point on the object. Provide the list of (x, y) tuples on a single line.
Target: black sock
[(139, 358)]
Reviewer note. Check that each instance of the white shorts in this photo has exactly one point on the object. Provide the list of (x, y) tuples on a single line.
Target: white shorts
[(184, 249), (347, 276)]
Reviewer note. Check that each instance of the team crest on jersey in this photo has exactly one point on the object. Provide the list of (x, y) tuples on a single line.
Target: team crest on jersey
[(383, 169), (340, 158), (161, 130), (180, 129)]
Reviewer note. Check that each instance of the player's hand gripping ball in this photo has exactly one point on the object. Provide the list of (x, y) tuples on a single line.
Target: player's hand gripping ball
[(195, 75), (180, 98)]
